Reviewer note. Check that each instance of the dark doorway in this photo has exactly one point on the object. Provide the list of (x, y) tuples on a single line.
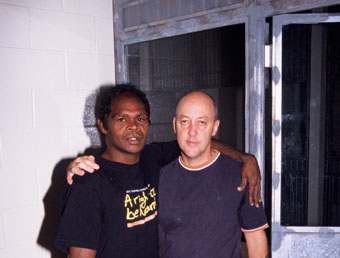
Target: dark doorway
[(310, 193), (212, 61)]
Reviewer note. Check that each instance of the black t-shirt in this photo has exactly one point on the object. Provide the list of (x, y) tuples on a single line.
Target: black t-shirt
[(114, 210), (201, 213)]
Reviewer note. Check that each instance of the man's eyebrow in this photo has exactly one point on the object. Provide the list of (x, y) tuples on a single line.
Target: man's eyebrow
[(126, 114), (181, 116), (118, 114), (186, 116)]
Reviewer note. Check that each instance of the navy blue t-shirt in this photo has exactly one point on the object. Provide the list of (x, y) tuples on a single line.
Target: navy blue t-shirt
[(201, 213), (114, 210)]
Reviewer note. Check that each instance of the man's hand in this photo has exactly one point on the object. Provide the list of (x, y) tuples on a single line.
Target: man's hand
[(79, 166), (251, 173)]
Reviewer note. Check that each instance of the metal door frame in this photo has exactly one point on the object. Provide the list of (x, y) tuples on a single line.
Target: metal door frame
[(280, 234)]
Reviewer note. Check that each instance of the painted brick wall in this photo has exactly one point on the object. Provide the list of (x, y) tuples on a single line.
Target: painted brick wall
[(53, 54)]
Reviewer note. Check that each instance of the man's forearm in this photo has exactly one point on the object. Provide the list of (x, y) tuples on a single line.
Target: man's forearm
[(227, 150), (77, 252), (257, 244)]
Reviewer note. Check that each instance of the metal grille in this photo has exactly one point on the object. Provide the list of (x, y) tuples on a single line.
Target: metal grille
[(295, 131), (332, 164)]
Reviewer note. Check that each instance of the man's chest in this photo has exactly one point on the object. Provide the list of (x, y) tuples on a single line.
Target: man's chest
[(193, 201)]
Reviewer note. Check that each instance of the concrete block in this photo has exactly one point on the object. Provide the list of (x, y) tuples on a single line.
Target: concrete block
[(2, 230), (102, 8), (60, 108), (14, 26), (46, 182), (18, 188), (16, 110), (62, 31), (89, 71), (16, 144), (106, 70), (34, 251), (52, 146), (104, 36), (82, 71), (22, 232), (29, 69), (41, 4), (79, 141)]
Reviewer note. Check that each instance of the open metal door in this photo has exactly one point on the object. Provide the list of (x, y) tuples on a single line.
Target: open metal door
[(306, 136)]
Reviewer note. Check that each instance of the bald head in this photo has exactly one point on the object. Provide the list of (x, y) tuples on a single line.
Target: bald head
[(198, 95)]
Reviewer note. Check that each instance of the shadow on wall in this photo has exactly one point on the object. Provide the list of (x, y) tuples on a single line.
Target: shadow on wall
[(49, 227), (51, 220), (52, 216)]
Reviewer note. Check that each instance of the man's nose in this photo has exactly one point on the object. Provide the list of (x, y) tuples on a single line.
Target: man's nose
[(192, 129), (132, 125)]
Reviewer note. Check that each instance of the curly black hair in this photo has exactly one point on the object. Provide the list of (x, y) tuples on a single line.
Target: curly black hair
[(106, 94)]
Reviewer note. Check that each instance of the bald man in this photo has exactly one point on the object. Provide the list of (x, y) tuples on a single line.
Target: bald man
[(201, 213)]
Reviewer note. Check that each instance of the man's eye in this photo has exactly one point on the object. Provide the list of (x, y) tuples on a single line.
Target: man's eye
[(202, 122), (184, 122), (121, 119), (142, 119)]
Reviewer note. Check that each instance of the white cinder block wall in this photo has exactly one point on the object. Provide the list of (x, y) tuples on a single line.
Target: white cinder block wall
[(53, 54)]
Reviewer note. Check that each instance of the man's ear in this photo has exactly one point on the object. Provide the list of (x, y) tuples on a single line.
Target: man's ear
[(101, 127), (215, 129), (174, 124)]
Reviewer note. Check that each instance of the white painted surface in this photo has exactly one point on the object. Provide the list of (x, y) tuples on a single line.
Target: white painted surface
[(27, 68), (41, 4), (53, 55), (14, 26), (102, 8), (61, 31)]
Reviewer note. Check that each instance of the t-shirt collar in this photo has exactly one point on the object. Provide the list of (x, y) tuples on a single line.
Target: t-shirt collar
[(213, 158)]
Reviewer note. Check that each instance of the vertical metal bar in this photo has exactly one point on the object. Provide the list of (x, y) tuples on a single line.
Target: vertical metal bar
[(255, 90)]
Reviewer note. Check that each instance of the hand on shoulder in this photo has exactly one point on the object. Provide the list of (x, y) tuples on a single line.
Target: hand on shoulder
[(79, 166)]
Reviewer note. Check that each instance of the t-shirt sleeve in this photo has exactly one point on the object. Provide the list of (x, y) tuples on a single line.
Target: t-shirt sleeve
[(165, 152), (80, 224), (251, 218)]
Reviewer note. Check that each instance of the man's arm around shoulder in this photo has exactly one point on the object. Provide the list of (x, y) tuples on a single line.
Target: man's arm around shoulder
[(257, 244), (250, 170), (78, 252)]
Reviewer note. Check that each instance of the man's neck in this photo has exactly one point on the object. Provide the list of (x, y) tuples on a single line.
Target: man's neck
[(125, 158), (200, 161)]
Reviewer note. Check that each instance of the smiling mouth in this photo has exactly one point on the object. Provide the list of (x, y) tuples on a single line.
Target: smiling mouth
[(134, 140)]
